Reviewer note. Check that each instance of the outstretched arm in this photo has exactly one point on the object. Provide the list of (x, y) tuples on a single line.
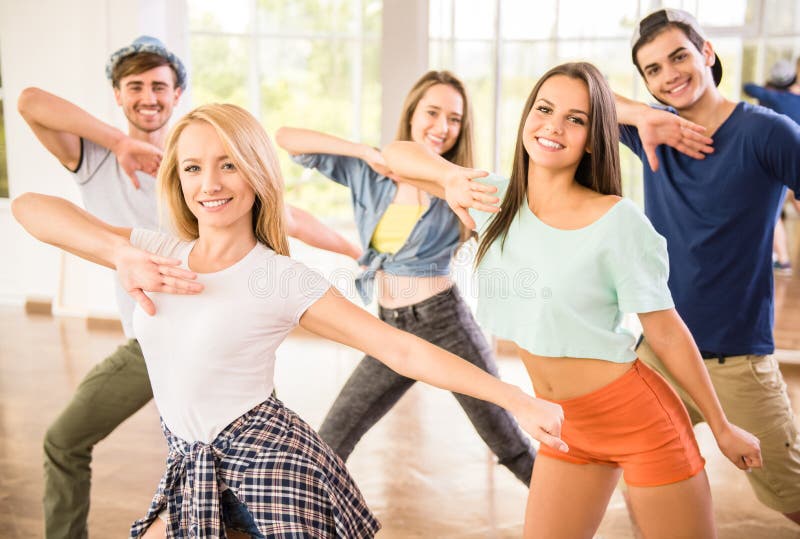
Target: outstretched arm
[(61, 223), (59, 125), (298, 141), (336, 318), (305, 227), (442, 178), (658, 127), (671, 341)]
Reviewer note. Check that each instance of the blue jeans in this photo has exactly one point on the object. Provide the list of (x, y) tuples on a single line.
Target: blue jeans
[(236, 516), (373, 389)]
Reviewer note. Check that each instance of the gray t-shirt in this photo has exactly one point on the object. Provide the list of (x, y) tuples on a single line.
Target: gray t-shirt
[(108, 193)]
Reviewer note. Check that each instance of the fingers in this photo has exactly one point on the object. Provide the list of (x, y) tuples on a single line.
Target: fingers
[(485, 199), (144, 302), (134, 179), (652, 160), (482, 187), (551, 441), (463, 215), (173, 285), (698, 141), (475, 173), (485, 207)]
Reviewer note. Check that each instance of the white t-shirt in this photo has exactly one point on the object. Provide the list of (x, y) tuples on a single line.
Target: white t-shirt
[(211, 356), (108, 193)]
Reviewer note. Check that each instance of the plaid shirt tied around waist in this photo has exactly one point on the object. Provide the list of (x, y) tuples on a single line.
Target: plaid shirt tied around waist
[(276, 465)]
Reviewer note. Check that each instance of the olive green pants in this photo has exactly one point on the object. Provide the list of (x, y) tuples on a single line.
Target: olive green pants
[(112, 392)]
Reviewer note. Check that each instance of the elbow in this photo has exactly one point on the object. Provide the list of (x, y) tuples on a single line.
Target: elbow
[(26, 100), (283, 139), (22, 207)]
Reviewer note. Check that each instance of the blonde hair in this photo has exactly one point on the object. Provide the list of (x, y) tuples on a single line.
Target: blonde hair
[(461, 152), (251, 151)]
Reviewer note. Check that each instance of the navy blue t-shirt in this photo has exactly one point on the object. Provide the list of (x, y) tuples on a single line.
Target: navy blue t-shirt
[(718, 215)]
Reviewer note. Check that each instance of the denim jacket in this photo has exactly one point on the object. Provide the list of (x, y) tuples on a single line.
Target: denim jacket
[(428, 249)]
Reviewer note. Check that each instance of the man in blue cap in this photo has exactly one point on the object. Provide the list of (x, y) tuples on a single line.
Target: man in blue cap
[(114, 172), (716, 207)]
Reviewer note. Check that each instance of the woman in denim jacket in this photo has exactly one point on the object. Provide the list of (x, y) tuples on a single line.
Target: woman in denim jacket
[(409, 239)]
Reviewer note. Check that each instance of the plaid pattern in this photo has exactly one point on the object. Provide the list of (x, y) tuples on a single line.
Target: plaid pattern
[(276, 465)]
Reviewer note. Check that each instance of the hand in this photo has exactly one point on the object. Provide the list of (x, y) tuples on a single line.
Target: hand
[(658, 127), (374, 158), (462, 193), (140, 271), (741, 447), (134, 155), (541, 419)]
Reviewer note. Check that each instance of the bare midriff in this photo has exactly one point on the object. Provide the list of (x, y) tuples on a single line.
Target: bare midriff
[(395, 291), (562, 378)]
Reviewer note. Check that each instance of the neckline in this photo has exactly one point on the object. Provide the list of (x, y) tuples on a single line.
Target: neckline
[(609, 211), (227, 268)]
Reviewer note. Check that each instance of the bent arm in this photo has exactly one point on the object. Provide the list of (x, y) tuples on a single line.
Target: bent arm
[(59, 125), (336, 318), (305, 227), (417, 162), (658, 127), (61, 223), (672, 342), (299, 141)]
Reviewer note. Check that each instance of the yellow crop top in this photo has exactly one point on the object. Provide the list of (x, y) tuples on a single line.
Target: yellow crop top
[(395, 226)]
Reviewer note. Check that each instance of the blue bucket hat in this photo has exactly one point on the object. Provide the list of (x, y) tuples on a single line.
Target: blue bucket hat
[(152, 45)]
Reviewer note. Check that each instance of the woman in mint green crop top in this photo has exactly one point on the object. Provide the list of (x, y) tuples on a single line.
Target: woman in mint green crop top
[(559, 262)]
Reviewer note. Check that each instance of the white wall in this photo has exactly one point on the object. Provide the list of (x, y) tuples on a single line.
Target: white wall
[(62, 47)]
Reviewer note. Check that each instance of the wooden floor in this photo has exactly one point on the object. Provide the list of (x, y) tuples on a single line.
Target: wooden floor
[(422, 470)]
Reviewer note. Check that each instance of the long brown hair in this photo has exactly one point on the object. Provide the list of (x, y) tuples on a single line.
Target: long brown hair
[(461, 152), (598, 170), (251, 151)]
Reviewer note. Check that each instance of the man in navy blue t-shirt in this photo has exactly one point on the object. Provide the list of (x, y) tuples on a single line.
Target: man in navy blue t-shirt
[(716, 207)]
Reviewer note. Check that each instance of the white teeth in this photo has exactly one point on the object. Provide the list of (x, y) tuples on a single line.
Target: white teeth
[(215, 203), (437, 140), (550, 144), (148, 112), (679, 88)]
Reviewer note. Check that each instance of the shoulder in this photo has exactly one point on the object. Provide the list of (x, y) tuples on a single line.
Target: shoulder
[(764, 126)]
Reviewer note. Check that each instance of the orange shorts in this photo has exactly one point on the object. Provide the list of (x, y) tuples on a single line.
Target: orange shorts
[(638, 423)]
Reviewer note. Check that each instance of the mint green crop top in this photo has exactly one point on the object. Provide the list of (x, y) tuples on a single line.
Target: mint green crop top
[(563, 293)]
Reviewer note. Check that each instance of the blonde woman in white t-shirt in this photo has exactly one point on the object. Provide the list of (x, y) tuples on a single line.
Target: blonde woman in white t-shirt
[(224, 295)]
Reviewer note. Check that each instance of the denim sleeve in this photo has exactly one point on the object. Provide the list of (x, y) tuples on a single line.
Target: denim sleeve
[(345, 170)]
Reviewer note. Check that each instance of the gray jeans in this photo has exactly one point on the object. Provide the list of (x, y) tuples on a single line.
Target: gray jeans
[(372, 389)]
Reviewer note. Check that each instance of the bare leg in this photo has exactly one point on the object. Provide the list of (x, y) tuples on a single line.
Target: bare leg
[(567, 500), (678, 510)]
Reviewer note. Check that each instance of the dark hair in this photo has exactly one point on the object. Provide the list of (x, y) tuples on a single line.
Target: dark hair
[(139, 62), (461, 152), (649, 35), (598, 170)]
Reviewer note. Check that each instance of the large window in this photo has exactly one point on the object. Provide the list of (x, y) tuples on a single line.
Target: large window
[(305, 63), (501, 47)]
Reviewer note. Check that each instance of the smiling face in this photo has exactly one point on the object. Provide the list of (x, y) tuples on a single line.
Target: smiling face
[(675, 71), (436, 121), (148, 98), (556, 131), (214, 190)]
